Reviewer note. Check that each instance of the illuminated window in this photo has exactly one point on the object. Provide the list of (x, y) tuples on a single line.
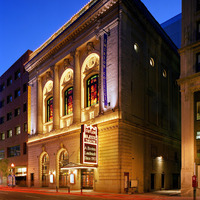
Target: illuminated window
[(50, 109), (69, 101), (9, 133), (92, 90), (14, 151), (17, 130), (2, 154), (3, 136), (198, 110)]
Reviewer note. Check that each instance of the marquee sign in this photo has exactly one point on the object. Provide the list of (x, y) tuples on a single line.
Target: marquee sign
[(89, 145)]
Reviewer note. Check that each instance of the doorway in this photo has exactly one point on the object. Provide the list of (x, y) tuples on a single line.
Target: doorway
[(87, 178), (152, 181), (32, 179)]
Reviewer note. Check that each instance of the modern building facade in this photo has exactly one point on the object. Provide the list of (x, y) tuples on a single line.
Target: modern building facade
[(173, 28), (105, 104), (13, 119), (190, 90)]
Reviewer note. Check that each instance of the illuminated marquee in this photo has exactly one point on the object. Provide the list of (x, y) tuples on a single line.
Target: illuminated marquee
[(89, 145)]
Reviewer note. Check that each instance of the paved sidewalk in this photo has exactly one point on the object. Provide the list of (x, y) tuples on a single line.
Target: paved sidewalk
[(158, 195)]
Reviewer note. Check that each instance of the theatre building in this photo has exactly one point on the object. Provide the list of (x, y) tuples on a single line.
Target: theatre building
[(105, 104)]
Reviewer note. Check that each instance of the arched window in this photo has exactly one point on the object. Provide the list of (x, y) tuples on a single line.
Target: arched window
[(50, 109), (92, 90), (64, 159), (69, 101), (45, 170)]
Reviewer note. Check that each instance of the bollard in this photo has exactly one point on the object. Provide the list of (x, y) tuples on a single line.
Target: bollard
[(68, 189), (56, 189), (81, 190)]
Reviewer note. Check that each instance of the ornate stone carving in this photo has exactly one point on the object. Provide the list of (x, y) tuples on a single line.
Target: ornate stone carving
[(92, 62), (90, 47), (66, 63)]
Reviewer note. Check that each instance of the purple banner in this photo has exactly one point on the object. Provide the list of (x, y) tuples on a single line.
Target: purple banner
[(104, 69)]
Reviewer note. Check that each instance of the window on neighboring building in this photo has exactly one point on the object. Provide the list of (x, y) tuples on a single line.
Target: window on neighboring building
[(17, 74), (9, 116), (1, 120), (92, 90), (17, 93), (17, 112), (2, 104), (25, 127), (50, 109), (24, 148), (9, 81), (9, 99), (9, 133), (69, 101), (198, 62), (14, 151), (3, 136), (25, 87), (2, 87), (17, 130), (2, 154), (25, 107)]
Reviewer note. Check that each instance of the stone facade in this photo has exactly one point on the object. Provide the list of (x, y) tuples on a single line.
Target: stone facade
[(189, 86), (139, 129)]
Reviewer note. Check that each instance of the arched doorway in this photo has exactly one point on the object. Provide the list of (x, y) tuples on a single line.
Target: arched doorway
[(45, 170)]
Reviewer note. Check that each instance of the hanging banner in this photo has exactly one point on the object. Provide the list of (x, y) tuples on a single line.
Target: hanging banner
[(89, 145), (104, 69)]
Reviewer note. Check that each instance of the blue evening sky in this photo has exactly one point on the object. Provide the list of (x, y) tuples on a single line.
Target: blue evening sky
[(26, 24)]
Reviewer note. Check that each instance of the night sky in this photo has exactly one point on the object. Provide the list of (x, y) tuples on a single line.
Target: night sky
[(28, 24)]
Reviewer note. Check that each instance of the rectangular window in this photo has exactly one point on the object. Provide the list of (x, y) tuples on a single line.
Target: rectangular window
[(3, 136), (25, 127), (9, 81), (17, 112), (14, 151), (198, 110), (9, 99), (9, 116), (24, 148), (17, 74), (25, 107), (17, 130), (25, 87), (2, 104), (2, 154), (2, 87), (1, 120), (198, 30), (17, 93), (9, 133)]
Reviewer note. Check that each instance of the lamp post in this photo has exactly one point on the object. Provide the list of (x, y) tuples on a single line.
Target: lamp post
[(12, 173)]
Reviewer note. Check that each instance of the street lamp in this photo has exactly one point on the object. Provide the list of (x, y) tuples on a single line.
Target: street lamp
[(13, 177)]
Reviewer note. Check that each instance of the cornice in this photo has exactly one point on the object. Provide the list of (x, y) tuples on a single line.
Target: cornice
[(189, 79), (87, 15)]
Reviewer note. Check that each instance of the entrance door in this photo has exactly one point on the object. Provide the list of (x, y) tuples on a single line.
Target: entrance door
[(162, 180), (32, 179), (152, 181), (87, 177), (126, 181)]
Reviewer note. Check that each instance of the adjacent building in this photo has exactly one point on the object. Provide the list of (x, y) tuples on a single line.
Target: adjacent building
[(190, 95), (13, 119), (105, 107)]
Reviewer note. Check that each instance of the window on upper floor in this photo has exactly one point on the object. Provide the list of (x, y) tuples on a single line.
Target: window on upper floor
[(9, 81), (24, 148), (9, 99), (25, 127), (92, 90), (1, 120), (14, 151), (17, 93), (198, 30), (17, 74), (25, 87), (68, 101), (198, 62), (50, 109), (2, 104), (9, 116), (2, 154), (2, 87), (17, 130), (3, 136), (9, 133), (25, 107), (17, 112)]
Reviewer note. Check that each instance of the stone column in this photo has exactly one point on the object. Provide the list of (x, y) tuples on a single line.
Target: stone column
[(77, 88), (56, 98), (39, 106)]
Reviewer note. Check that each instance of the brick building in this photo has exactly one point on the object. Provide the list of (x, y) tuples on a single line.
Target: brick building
[(13, 119), (104, 103)]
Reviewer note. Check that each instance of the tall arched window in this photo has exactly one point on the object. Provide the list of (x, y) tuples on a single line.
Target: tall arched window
[(92, 90), (69, 101), (50, 109), (45, 170)]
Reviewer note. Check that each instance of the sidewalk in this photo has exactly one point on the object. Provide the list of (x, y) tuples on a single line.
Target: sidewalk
[(159, 195)]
